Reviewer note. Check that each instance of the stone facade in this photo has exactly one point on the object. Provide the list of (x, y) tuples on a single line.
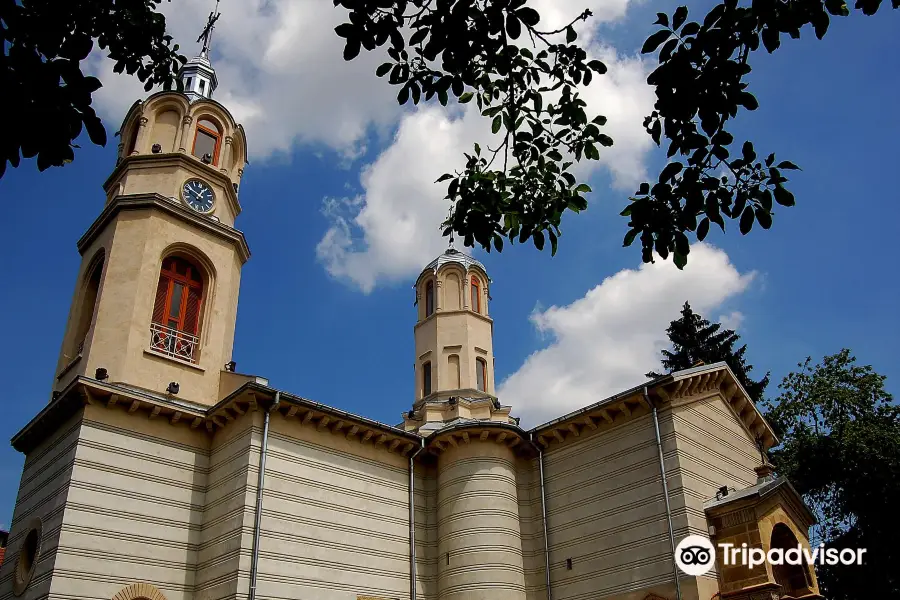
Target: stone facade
[(142, 475)]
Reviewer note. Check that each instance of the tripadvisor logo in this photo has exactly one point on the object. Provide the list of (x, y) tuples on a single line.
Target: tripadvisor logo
[(695, 555)]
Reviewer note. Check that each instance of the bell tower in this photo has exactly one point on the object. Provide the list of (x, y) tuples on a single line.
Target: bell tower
[(454, 366), (156, 297)]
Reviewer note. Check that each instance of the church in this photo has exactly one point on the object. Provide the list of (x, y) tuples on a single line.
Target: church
[(157, 471)]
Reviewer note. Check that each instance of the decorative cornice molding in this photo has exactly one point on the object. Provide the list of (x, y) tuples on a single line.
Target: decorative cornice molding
[(159, 202)]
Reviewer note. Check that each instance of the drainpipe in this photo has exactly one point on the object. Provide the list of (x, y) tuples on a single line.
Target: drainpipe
[(544, 514), (662, 474), (254, 560), (412, 523)]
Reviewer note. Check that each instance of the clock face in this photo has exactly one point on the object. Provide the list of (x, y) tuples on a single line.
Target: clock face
[(198, 195)]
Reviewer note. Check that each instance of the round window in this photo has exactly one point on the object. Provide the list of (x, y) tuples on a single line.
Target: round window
[(28, 557)]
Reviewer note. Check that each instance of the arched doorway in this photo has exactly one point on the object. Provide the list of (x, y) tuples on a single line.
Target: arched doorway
[(795, 580)]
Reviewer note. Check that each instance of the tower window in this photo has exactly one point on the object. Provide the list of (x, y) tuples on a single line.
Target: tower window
[(481, 374), (426, 379), (187, 84), (476, 295), (202, 87), (88, 302), (207, 140), (429, 298), (175, 328)]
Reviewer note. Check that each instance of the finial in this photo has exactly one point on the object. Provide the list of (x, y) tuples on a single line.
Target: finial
[(206, 36)]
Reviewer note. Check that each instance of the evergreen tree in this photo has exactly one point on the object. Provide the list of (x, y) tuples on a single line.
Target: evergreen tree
[(695, 339)]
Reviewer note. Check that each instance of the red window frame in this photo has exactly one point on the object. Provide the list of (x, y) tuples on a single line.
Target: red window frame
[(476, 295), (215, 134), (192, 282)]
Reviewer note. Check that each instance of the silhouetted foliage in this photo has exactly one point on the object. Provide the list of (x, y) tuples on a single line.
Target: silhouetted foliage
[(696, 339), (45, 98), (526, 80), (493, 52), (840, 433)]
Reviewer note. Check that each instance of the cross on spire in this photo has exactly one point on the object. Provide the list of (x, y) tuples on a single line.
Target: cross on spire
[(206, 36)]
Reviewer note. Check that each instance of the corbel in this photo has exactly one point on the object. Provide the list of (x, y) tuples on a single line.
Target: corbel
[(113, 398), (337, 427), (176, 416), (393, 445), (484, 435), (623, 406), (196, 422), (605, 414), (465, 437), (589, 421), (366, 436), (352, 431), (292, 411), (155, 412), (559, 437), (323, 422), (134, 406), (574, 429), (307, 417)]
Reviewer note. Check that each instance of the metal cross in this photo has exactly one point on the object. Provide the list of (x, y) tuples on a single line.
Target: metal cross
[(206, 36)]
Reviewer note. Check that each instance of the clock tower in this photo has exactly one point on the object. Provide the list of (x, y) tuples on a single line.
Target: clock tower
[(155, 302)]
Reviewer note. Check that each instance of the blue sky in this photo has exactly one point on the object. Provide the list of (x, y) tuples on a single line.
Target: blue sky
[(326, 307)]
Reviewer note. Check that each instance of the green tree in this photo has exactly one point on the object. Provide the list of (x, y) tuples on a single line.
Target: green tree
[(45, 97), (840, 447), (696, 339)]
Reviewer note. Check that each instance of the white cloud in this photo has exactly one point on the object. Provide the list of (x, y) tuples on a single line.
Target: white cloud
[(732, 320), (280, 71), (395, 228), (606, 341)]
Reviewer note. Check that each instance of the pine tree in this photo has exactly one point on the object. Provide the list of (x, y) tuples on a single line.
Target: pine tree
[(695, 339)]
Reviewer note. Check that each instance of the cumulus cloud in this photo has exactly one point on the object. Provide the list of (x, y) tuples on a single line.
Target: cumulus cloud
[(392, 228), (280, 71), (607, 340)]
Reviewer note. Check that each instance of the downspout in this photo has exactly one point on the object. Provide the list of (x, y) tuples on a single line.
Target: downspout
[(665, 485), (412, 523), (544, 514), (254, 560)]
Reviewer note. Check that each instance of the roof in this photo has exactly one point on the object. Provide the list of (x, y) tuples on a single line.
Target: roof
[(761, 490), (452, 255)]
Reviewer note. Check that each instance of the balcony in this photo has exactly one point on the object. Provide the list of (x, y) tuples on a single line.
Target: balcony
[(174, 343)]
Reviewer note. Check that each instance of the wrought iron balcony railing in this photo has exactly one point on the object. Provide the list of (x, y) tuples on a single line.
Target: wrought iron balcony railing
[(174, 343)]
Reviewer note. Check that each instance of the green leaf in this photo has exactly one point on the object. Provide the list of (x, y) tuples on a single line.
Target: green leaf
[(783, 197), (679, 259), (495, 126), (662, 19), (351, 50), (383, 69), (670, 171), (703, 229), (444, 177), (653, 42), (748, 101), (570, 34), (582, 188), (538, 237), (513, 26), (629, 237), (597, 66), (466, 97), (604, 140), (786, 164), (679, 17), (764, 217), (529, 16), (746, 220)]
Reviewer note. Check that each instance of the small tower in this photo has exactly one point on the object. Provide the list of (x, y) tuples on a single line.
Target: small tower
[(454, 367), (156, 297)]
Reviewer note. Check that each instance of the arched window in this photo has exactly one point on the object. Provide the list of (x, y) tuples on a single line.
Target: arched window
[(175, 329), (794, 579), (481, 374), (132, 139), (476, 295), (88, 302), (207, 140), (429, 298), (426, 379)]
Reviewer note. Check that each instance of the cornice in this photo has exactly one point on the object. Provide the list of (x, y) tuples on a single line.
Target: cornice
[(159, 202), (176, 159), (673, 390), (438, 313), (506, 434), (249, 397)]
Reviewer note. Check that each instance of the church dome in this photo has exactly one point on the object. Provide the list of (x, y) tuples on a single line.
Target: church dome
[(452, 255)]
